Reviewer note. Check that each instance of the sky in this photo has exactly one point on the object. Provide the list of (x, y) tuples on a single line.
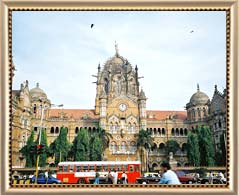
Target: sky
[(174, 50)]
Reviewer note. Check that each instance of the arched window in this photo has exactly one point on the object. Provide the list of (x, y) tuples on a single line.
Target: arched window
[(204, 112), (155, 131), (185, 132), (57, 130), (117, 127), (161, 148), (111, 127), (194, 114), (199, 113), (154, 147), (133, 147), (134, 127), (76, 130), (173, 132), (163, 132), (52, 130), (177, 132), (35, 109), (89, 130), (181, 131), (123, 146), (106, 86), (219, 124), (35, 128), (184, 147), (113, 147), (159, 131)]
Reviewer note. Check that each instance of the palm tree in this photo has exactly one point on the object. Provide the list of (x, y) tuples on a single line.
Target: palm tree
[(144, 141), (105, 137)]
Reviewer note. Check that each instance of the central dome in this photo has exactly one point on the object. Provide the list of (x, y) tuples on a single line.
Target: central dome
[(199, 98), (37, 92), (117, 63)]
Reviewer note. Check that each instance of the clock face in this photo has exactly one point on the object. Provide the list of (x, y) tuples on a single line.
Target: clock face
[(122, 107)]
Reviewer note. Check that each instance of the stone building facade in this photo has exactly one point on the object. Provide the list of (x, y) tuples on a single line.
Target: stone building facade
[(120, 108)]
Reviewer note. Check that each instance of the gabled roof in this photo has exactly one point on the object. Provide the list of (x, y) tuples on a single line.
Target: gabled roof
[(73, 113), (163, 115)]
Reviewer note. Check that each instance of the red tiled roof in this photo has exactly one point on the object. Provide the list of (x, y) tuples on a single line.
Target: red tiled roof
[(73, 113), (151, 114), (162, 115)]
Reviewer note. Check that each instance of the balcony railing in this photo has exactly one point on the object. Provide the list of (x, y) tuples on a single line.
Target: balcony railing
[(123, 152)]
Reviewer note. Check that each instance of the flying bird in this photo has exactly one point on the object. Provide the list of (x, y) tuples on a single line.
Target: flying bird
[(91, 26), (191, 31)]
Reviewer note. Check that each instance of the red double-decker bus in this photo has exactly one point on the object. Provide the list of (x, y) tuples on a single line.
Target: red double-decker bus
[(81, 172)]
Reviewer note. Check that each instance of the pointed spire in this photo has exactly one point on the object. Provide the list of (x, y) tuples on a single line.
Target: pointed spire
[(198, 89), (99, 66), (116, 49)]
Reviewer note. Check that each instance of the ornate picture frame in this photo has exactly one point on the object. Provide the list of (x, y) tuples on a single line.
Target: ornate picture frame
[(230, 7)]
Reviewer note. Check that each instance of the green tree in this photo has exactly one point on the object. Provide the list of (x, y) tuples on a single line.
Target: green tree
[(96, 148), (29, 151), (193, 149), (207, 153), (80, 148), (144, 141), (220, 156), (172, 146), (60, 147)]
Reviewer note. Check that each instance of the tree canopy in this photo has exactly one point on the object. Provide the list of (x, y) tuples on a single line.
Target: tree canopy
[(193, 149)]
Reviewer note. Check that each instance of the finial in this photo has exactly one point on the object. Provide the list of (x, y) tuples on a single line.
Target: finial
[(215, 87), (116, 49), (198, 87), (37, 85), (136, 68), (99, 66), (22, 86)]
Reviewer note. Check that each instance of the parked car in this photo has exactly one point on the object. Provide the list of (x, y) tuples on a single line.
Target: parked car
[(216, 180), (185, 179), (41, 179), (149, 178)]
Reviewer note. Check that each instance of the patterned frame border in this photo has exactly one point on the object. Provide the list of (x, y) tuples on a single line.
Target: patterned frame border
[(134, 187)]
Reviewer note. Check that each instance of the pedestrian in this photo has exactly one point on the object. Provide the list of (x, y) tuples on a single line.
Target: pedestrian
[(221, 177), (110, 178), (97, 178), (197, 177), (210, 177), (115, 176), (124, 178), (46, 176), (169, 176)]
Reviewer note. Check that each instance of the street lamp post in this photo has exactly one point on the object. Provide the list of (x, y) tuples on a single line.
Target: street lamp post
[(39, 141), (40, 132)]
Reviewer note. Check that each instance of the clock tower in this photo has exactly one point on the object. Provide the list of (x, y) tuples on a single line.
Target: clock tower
[(121, 106)]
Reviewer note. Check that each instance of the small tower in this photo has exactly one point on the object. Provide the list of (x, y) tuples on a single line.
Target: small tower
[(97, 107), (142, 109), (102, 108)]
